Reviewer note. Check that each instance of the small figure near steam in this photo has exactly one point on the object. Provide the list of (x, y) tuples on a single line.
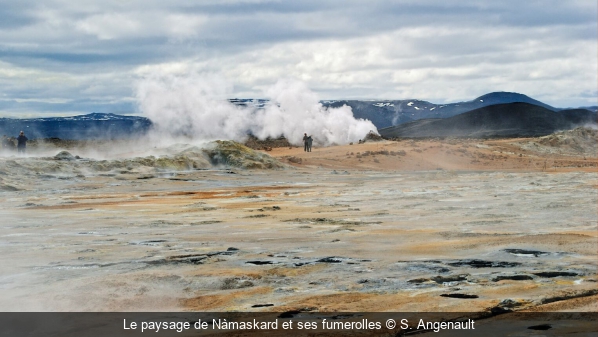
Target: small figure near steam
[(305, 142), (22, 142)]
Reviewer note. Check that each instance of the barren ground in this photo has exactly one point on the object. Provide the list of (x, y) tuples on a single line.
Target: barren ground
[(386, 226)]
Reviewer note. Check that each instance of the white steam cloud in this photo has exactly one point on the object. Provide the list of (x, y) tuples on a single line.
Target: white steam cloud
[(196, 106)]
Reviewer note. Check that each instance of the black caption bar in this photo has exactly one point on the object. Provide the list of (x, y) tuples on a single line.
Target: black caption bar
[(296, 323)]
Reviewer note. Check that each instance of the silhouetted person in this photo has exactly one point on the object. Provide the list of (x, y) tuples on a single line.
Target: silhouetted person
[(22, 142), (305, 142), (309, 142)]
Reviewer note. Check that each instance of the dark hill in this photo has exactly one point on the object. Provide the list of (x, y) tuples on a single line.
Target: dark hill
[(394, 112), (500, 120), (503, 97)]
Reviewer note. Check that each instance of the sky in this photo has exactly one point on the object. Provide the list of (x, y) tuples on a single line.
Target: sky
[(68, 57)]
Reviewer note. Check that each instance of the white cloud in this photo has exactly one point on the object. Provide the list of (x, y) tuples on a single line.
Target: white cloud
[(111, 26), (133, 25), (93, 50)]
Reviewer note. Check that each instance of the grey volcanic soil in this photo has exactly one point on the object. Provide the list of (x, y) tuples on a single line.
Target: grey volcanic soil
[(296, 238)]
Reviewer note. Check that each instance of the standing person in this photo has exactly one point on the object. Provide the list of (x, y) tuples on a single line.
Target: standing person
[(22, 142), (309, 142), (305, 142)]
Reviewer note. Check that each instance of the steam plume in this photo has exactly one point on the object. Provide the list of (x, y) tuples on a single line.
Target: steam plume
[(196, 107)]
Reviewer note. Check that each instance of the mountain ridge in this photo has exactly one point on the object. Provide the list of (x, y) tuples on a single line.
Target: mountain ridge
[(385, 113), (499, 120), (95, 125)]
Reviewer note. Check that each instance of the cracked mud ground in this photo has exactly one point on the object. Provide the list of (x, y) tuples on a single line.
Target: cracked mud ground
[(326, 237)]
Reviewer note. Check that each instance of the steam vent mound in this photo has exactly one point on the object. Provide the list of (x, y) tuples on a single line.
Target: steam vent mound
[(67, 165), (230, 153), (583, 140)]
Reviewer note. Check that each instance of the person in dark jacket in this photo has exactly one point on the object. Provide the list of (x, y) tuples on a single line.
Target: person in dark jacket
[(309, 142), (305, 142), (22, 142)]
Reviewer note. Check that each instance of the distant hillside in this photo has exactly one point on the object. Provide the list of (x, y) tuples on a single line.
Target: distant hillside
[(591, 108), (501, 120), (90, 126), (387, 113), (383, 114)]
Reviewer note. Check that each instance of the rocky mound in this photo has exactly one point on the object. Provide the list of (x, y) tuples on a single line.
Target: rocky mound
[(266, 144), (581, 140), (65, 165), (373, 137), (65, 155), (230, 153)]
